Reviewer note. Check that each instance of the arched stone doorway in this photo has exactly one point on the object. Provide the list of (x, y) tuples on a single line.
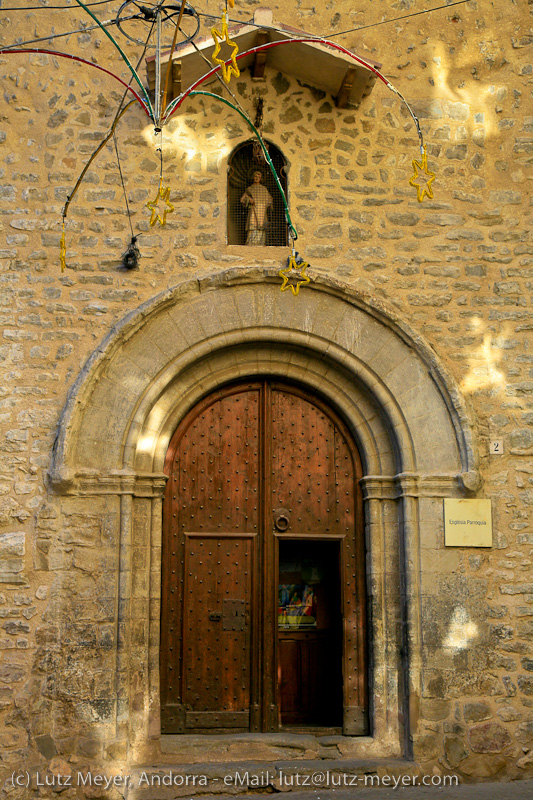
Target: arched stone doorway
[(263, 616), (387, 387)]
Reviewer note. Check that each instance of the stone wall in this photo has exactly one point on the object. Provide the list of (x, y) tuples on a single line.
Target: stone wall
[(457, 268)]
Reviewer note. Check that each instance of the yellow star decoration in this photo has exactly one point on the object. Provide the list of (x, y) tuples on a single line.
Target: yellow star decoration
[(164, 195), (291, 271), (422, 179), (62, 249), (232, 68)]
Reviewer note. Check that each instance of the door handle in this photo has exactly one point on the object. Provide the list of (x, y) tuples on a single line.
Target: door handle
[(281, 519), (282, 523), (215, 616)]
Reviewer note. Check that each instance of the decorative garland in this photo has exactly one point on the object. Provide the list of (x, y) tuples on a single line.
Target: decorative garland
[(294, 274)]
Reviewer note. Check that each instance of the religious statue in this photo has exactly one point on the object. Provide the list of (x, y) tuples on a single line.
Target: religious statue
[(258, 200)]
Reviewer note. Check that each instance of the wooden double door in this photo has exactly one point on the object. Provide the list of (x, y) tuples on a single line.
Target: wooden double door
[(263, 579)]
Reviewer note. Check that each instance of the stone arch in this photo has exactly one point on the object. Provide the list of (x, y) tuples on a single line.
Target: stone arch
[(176, 332), (380, 376)]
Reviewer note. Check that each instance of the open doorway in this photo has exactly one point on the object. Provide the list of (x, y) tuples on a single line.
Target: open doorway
[(309, 634)]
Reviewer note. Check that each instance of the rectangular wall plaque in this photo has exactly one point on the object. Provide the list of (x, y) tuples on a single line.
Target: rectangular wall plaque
[(467, 523)]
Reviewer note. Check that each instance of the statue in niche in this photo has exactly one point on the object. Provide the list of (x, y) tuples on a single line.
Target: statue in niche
[(258, 200), (261, 223)]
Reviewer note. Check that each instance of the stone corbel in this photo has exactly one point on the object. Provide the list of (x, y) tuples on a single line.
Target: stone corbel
[(411, 484), (341, 101), (378, 487), (117, 482), (260, 59)]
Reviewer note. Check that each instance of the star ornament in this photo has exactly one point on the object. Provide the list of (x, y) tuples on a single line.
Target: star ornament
[(422, 178), (164, 195), (227, 69), (294, 272), (62, 250)]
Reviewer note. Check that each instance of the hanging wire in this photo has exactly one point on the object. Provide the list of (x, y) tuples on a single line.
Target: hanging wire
[(160, 151), (120, 113), (122, 181), (292, 230), (301, 39), (173, 106), (217, 75), (219, 78), (169, 62), (397, 19), (413, 115), (40, 50), (132, 254), (157, 92), (237, 107), (124, 56), (148, 13), (44, 51), (222, 82), (106, 23), (340, 33), (94, 154), (52, 8)]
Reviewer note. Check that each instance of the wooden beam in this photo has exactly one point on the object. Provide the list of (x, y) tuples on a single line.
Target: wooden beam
[(176, 78), (150, 71), (258, 69), (346, 87)]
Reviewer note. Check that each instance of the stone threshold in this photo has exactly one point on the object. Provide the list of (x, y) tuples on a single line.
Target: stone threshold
[(282, 746), (245, 778), (314, 743)]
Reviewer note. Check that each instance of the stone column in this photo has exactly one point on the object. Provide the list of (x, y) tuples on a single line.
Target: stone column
[(381, 515)]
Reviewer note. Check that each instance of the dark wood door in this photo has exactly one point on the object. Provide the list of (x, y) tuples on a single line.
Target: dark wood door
[(250, 467), (216, 631)]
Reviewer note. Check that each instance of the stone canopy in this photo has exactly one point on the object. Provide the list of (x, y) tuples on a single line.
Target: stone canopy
[(311, 62)]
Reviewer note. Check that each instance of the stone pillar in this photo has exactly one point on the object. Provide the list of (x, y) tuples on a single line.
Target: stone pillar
[(409, 545), (381, 515), (122, 618)]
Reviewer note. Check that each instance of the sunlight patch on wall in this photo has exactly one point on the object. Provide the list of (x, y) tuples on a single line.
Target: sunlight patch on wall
[(146, 443), (462, 631), (484, 363), (150, 435), (179, 140), (479, 98)]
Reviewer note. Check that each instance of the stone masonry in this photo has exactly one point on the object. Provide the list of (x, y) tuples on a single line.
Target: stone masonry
[(455, 271)]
